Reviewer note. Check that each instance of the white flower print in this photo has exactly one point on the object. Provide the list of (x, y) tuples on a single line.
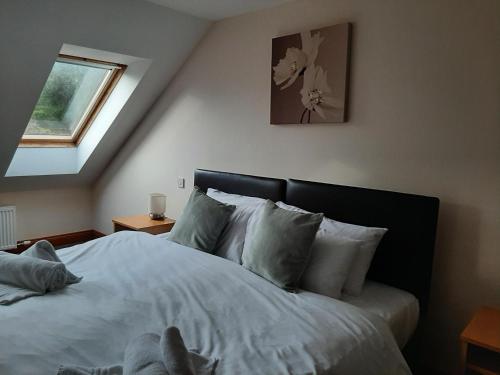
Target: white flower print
[(316, 94), (289, 67), (310, 46), (296, 61)]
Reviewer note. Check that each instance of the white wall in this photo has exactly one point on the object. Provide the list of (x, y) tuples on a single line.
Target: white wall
[(424, 119), (50, 212)]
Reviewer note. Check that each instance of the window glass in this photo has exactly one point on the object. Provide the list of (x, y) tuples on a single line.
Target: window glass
[(67, 97)]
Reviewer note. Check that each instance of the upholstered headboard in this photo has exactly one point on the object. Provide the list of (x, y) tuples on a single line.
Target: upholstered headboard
[(404, 256)]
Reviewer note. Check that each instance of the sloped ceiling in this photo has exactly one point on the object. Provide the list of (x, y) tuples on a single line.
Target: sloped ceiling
[(32, 33), (218, 9)]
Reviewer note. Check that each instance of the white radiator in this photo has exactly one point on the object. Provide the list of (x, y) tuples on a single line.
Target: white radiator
[(7, 227)]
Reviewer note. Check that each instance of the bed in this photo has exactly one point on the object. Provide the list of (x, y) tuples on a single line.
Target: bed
[(137, 282)]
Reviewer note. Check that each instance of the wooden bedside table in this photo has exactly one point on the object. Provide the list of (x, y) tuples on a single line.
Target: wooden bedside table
[(480, 343), (142, 223)]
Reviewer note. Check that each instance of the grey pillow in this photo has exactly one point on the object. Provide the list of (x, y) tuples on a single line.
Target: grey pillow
[(201, 222), (278, 244)]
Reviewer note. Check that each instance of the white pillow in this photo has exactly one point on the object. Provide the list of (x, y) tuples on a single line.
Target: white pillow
[(234, 199), (331, 259), (231, 241), (369, 236)]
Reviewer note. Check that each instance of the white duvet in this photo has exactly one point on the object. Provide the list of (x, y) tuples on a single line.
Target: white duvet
[(135, 283)]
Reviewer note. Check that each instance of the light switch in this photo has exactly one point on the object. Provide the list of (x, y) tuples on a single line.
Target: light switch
[(180, 182)]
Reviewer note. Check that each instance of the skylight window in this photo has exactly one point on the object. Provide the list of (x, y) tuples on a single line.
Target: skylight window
[(75, 91)]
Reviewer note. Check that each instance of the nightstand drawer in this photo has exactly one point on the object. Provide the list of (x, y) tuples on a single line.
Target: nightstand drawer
[(480, 342), (482, 361)]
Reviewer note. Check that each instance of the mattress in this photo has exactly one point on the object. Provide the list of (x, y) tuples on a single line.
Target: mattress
[(398, 308)]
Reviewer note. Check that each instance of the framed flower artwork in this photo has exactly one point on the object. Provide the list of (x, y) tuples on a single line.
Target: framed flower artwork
[(310, 76)]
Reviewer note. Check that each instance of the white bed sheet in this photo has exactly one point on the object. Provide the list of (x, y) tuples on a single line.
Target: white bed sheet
[(399, 309), (135, 283)]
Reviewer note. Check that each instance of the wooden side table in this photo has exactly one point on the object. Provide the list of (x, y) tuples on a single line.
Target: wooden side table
[(480, 343), (143, 223)]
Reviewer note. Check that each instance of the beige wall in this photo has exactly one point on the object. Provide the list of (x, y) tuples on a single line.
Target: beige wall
[(48, 212), (424, 119)]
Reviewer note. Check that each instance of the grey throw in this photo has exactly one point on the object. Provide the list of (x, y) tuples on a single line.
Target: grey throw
[(34, 272), (151, 354)]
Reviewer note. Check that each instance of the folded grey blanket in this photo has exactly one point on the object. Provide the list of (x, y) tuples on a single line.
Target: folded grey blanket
[(34, 272), (150, 354)]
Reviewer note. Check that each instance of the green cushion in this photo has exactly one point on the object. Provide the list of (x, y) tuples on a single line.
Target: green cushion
[(278, 244), (201, 222)]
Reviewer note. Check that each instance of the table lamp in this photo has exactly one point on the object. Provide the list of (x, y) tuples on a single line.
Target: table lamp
[(157, 205)]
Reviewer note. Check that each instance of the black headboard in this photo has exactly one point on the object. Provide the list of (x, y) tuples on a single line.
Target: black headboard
[(404, 256)]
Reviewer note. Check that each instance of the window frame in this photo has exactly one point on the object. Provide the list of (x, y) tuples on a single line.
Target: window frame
[(100, 98)]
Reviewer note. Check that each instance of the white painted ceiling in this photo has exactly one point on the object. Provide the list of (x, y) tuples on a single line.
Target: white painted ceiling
[(218, 9)]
